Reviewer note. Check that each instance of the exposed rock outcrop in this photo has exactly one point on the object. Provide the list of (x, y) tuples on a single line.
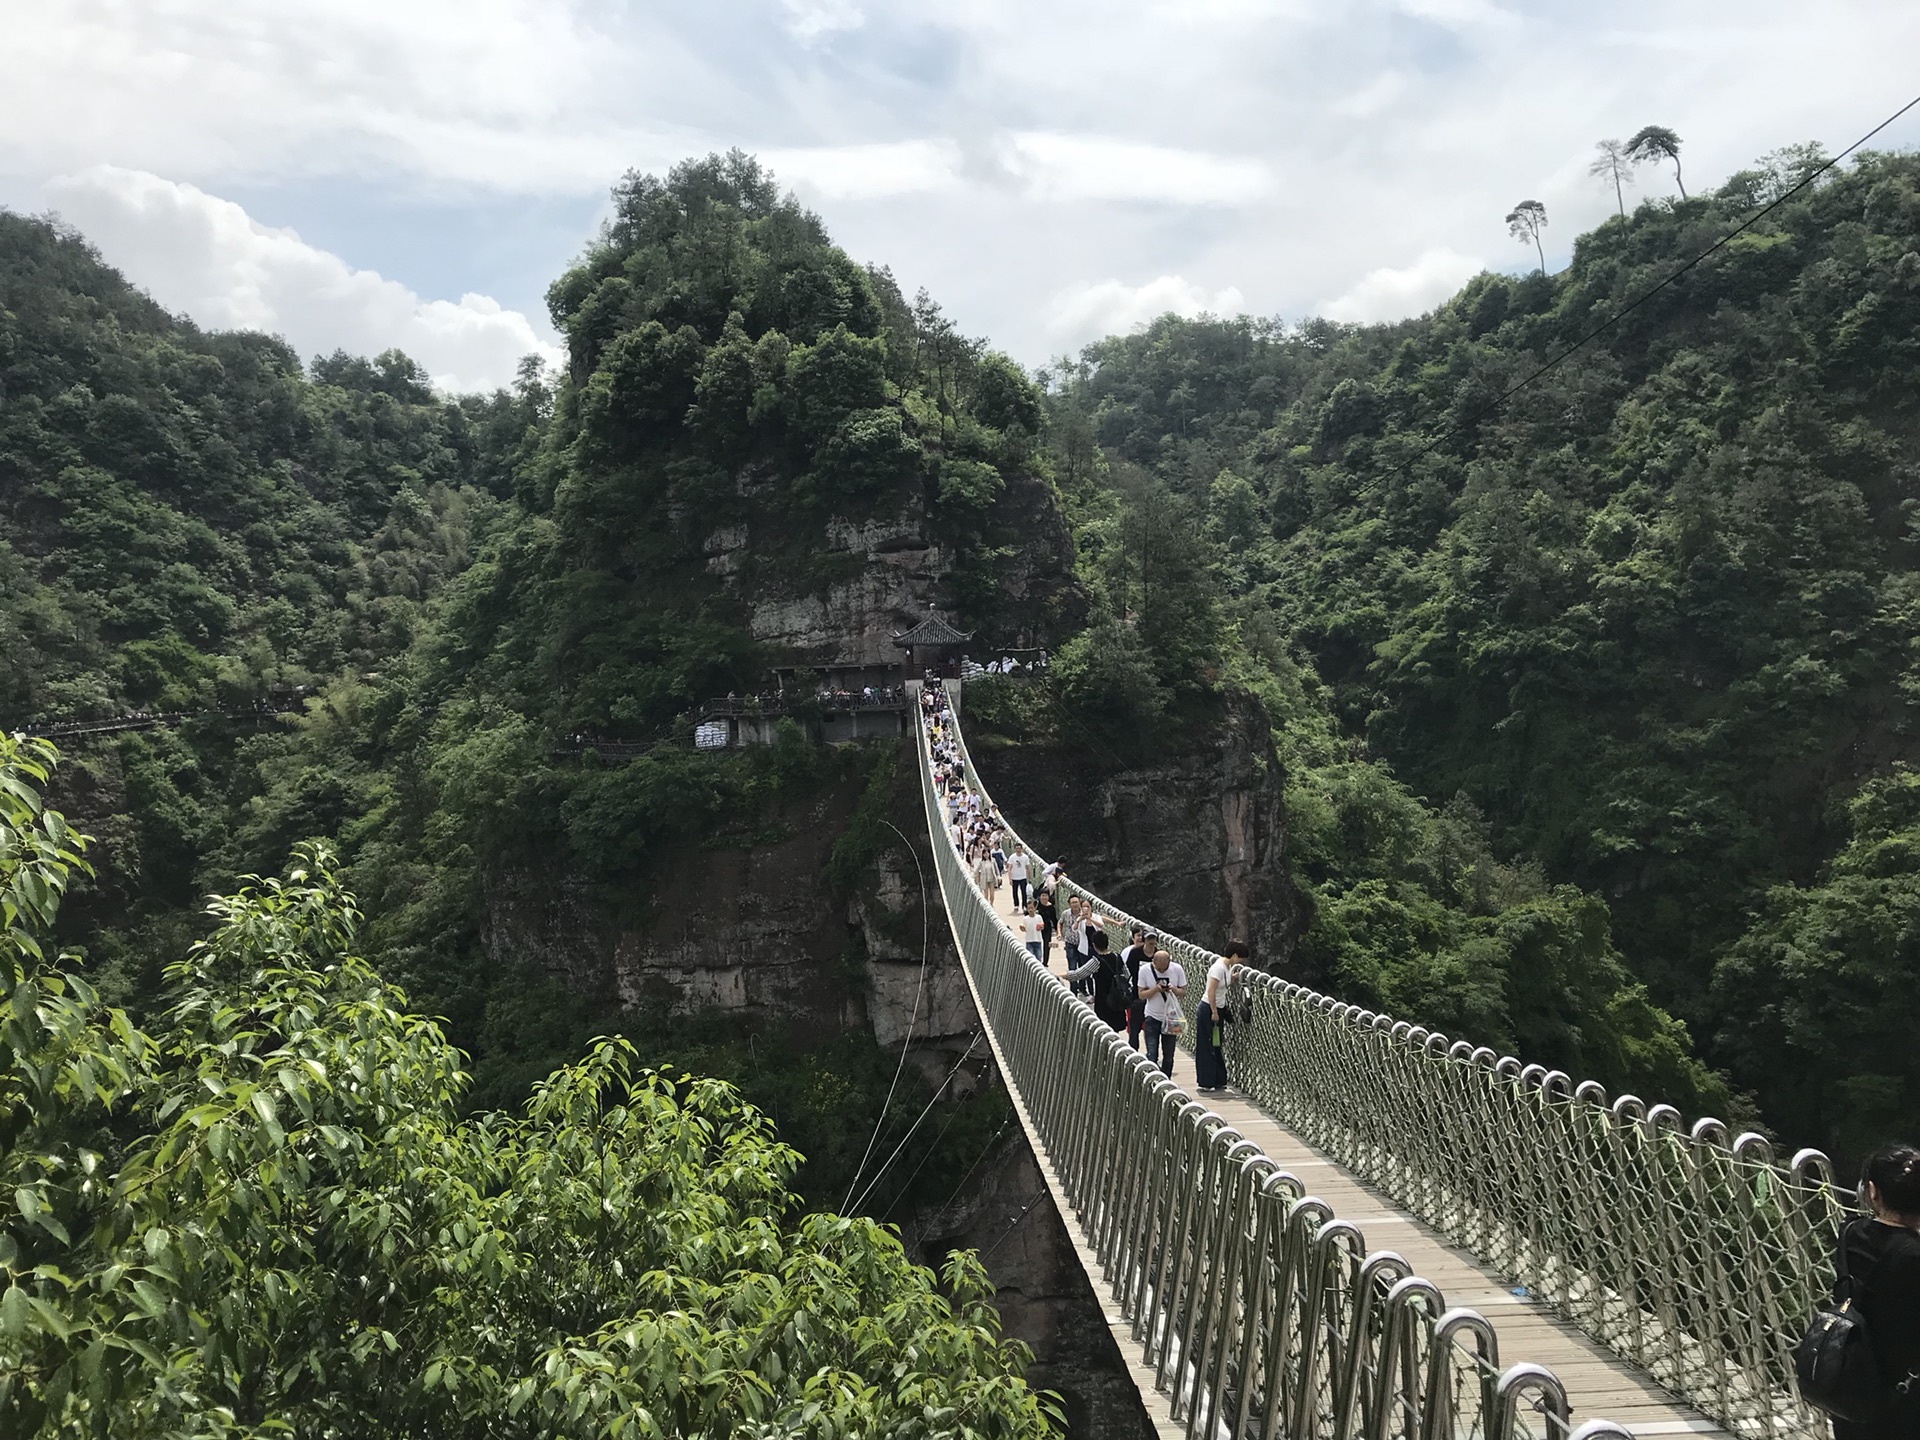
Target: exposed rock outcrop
[(1042, 1294), (838, 597), (1195, 841), (751, 930)]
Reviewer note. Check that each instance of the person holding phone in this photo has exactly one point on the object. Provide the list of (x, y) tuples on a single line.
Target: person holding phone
[(1161, 983)]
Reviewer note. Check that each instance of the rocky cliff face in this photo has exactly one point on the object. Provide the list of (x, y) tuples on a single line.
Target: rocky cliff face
[(1042, 1294), (840, 596), (1195, 841), (752, 930)]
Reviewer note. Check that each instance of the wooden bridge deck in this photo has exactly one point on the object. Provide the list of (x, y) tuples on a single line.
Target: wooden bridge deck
[(1599, 1384)]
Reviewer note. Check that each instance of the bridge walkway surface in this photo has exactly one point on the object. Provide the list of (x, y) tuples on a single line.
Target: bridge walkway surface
[(1598, 1385)]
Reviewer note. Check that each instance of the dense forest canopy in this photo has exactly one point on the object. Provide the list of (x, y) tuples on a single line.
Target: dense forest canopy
[(1649, 629), (1595, 709), (454, 585)]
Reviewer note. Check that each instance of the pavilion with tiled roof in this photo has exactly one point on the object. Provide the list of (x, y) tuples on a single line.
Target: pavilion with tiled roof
[(936, 635)]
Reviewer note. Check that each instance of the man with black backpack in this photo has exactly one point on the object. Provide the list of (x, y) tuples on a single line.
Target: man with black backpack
[(1860, 1359), (1131, 960), (1112, 985)]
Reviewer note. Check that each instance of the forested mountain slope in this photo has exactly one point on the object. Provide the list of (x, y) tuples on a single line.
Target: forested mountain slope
[(189, 522), (752, 428), (188, 518), (1656, 618), (1591, 708), (760, 450)]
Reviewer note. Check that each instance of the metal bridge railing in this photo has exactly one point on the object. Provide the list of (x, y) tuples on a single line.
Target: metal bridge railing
[(1260, 1312), (1694, 1253)]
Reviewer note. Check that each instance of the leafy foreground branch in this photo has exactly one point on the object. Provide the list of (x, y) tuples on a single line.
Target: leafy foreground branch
[(268, 1218)]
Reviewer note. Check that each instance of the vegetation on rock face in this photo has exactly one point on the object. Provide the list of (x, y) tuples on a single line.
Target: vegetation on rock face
[(266, 1215), (1646, 631)]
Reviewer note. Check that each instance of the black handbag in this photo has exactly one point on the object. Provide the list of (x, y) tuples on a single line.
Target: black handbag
[(1834, 1361)]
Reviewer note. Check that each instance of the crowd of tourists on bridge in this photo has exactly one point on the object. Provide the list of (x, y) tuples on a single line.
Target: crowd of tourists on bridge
[(1138, 989), (828, 697), (1859, 1361)]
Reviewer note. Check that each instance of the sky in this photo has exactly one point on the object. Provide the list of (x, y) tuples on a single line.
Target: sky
[(362, 174)]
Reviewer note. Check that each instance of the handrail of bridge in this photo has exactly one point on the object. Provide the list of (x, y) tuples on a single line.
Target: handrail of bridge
[(1261, 1313), (158, 719), (1690, 1251)]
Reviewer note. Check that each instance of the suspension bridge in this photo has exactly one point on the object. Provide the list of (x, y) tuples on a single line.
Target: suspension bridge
[(1385, 1234)]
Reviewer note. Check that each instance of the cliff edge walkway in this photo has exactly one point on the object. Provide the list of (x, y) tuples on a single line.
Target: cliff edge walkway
[(1382, 1234)]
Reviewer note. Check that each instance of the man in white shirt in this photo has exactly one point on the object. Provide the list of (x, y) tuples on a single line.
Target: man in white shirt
[(1017, 875), (1026, 925), (1080, 944), (1161, 984)]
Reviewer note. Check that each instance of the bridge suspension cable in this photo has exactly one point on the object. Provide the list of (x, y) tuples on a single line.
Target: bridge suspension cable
[(1693, 1253)]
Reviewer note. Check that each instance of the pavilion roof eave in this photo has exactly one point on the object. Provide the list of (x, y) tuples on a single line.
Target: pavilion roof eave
[(932, 631)]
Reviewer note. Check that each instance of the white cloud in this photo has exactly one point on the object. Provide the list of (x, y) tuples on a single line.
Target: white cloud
[(1394, 294), (1461, 15), (1091, 167), (503, 94), (810, 19), (1374, 96), (1108, 306), (999, 152), (864, 172), (206, 257)]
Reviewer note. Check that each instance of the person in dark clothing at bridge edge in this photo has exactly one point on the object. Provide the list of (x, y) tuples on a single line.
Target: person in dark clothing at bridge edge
[(1883, 1256), (1132, 958), (1209, 1063), (1049, 920)]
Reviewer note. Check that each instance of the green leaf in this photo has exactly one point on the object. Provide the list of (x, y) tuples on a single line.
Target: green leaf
[(16, 1312)]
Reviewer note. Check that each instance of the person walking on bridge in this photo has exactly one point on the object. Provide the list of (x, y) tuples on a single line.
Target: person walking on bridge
[(1161, 983), (1079, 942), (1133, 957), (1112, 985), (1049, 921), (1017, 875), (985, 877), (1027, 926)]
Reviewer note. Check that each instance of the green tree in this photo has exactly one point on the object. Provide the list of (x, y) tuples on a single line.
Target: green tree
[(1615, 166), (1815, 996), (1525, 222), (1657, 142), (270, 1217)]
